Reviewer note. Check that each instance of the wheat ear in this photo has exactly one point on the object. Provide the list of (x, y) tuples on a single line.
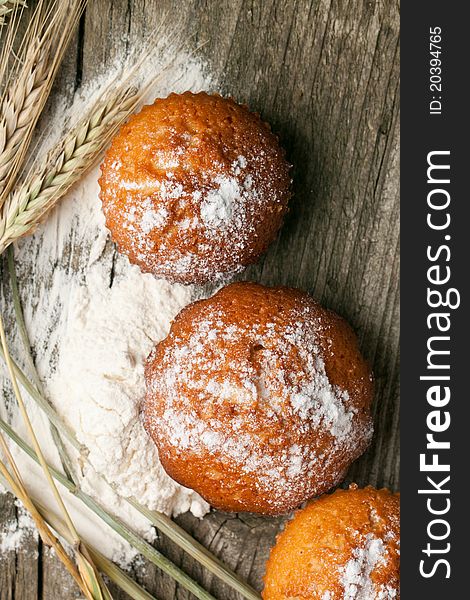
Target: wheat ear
[(9, 31), (8, 6), (30, 81), (29, 203)]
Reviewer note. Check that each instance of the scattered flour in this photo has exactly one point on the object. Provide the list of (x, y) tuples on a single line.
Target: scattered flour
[(15, 532), (109, 332), (92, 320)]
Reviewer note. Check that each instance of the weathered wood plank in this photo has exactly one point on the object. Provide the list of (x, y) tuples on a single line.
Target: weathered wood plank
[(18, 568), (325, 74), (8, 559), (56, 581)]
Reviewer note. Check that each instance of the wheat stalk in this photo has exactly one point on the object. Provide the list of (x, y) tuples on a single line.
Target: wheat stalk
[(85, 577), (32, 433), (30, 81), (92, 587), (8, 6), (50, 519), (166, 525), (88, 578), (23, 334), (8, 35), (29, 203), (135, 540), (128, 585), (15, 483)]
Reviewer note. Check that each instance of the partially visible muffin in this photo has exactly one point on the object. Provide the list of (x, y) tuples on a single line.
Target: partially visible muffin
[(258, 399), (194, 187), (343, 546)]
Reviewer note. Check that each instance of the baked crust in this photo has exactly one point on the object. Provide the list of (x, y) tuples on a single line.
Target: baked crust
[(194, 187), (342, 545), (258, 399)]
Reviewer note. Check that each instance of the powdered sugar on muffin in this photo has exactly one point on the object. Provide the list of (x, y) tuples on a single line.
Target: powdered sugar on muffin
[(342, 546), (250, 394), (194, 187)]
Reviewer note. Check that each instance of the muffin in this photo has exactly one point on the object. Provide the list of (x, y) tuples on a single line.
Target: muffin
[(258, 399), (343, 546), (194, 187)]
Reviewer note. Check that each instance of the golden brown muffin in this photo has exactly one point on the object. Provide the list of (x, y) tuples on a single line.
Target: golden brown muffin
[(343, 546), (258, 399), (193, 187)]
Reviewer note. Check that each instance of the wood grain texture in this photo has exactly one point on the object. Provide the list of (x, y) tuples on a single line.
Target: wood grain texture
[(325, 74)]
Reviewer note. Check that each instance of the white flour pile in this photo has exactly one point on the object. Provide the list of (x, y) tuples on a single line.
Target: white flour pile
[(92, 319)]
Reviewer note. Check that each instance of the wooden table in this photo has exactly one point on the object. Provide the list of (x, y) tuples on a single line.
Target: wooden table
[(325, 74)]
